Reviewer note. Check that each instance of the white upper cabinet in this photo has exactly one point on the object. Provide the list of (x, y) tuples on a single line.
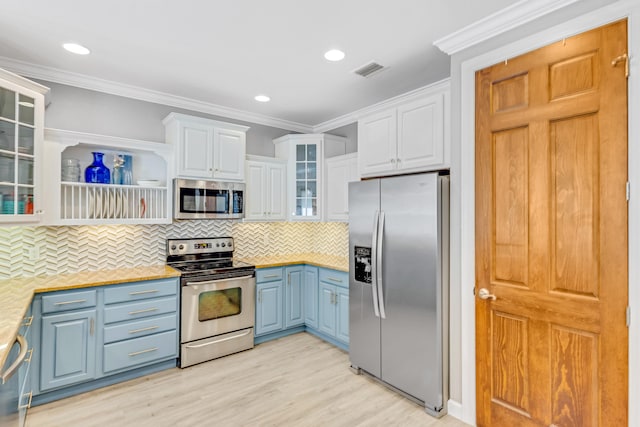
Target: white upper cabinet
[(266, 191), (339, 172), (206, 148), (305, 154), (411, 137), (21, 137)]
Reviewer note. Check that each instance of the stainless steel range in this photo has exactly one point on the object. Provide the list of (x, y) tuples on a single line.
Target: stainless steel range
[(218, 298)]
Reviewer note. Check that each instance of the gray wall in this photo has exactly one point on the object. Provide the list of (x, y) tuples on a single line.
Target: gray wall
[(83, 110), (457, 146)]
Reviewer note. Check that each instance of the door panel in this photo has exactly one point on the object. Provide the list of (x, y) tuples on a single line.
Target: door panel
[(410, 268), (364, 326), (551, 235)]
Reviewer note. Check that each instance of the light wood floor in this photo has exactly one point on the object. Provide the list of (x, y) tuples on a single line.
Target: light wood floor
[(298, 380)]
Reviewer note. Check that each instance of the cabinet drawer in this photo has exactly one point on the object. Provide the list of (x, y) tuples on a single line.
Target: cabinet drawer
[(68, 301), (139, 291), (136, 310), (139, 328), (268, 274), (137, 351), (338, 278)]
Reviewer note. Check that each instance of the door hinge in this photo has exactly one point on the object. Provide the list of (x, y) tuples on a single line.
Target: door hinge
[(628, 191), (628, 316)]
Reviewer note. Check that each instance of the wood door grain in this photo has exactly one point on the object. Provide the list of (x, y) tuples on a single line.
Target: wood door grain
[(551, 235)]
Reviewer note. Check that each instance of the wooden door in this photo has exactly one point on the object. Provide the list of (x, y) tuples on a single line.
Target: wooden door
[(551, 235)]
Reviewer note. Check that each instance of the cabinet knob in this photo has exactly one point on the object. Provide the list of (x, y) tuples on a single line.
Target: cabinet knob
[(393, 160)]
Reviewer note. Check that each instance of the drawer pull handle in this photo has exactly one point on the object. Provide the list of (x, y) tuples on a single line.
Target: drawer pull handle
[(269, 276), (334, 279), (28, 405), (240, 335), (75, 301), (28, 321), (149, 350), (30, 352), (150, 328), (150, 291), (146, 310)]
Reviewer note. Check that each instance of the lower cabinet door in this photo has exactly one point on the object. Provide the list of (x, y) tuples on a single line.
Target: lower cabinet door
[(139, 351), (294, 297), (269, 307), (342, 324), (68, 349), (311, 296), (327, 305)]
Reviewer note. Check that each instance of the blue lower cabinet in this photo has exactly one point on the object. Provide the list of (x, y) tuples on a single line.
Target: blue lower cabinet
[(342, 320), (102, 335), (68, 351), (333, 302), (269, 307), (311, 296), (134, 352), (327, 318), (294, 296)]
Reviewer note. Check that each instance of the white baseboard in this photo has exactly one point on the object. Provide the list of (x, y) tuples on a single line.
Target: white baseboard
[(454, 409)]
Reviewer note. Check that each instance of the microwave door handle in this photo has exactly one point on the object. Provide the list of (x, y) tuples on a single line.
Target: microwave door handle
[(374, 264), (379, 263)]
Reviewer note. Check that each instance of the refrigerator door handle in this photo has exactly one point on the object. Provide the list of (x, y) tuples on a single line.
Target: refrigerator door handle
[(379, 284), (374, 264)]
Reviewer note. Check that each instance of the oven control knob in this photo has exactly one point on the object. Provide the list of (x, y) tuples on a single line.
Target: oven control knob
[(224, 244), (181, 247), (173, 247), (217, 245)]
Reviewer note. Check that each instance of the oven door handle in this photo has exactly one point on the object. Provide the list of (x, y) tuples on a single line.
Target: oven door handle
[(211, 282), (247, 332)]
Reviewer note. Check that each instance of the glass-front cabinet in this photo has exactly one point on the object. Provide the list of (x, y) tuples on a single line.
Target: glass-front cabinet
[(21, 134), (305, 154)]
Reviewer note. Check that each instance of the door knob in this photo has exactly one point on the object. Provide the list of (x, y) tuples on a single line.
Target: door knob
[(483, 293)]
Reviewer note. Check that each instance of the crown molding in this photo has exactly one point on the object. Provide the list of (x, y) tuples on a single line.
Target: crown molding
[(497, 23), (354, 116), (129, 91)]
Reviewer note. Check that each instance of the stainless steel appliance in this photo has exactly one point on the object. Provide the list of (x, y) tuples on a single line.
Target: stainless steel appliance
[(201, 199), (398, 285), (217, 298)]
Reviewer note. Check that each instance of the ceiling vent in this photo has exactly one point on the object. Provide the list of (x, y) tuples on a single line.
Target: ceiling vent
[(369, 69)]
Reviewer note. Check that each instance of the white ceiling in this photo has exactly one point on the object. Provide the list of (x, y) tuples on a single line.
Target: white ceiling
[(225, 52)]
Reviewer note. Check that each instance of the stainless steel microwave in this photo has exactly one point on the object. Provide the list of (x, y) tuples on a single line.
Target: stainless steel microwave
[(202, 199)]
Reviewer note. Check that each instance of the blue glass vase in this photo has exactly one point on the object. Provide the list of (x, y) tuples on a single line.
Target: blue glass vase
[(97, 172)]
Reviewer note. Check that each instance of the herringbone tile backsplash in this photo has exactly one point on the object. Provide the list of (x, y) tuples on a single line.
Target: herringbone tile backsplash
[(88, 248)]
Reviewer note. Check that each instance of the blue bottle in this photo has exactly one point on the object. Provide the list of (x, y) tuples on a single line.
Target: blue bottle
[(97, 172)]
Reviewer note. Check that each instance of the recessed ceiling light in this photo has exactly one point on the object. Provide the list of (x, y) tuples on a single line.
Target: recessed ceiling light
[(262, 98), (76, 48), (334, 55)]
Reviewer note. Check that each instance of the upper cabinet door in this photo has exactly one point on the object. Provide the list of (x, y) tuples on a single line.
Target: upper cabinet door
[(229, 152), (196, 151), (340, 171), (21, 136), (377, 140), (277, 191), (421, 133), (256, 196)]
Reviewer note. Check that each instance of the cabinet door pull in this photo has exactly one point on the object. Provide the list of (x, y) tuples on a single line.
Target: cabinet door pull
[(75, 301), (28, 360), (289, 279), (149, 350), (146, 310), (150, 328), (28, 321), (150, 291), (92, 326), (28, 405), (333, 279), (270, 276), (260, 295)]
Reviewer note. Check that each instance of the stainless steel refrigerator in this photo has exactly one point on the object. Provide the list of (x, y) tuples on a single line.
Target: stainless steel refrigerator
[(398, 284)]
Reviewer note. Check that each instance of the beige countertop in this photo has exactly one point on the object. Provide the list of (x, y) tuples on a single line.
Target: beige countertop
[(16, 294), (321, 260)]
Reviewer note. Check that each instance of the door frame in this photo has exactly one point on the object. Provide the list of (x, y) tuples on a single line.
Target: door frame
[(463, 167)]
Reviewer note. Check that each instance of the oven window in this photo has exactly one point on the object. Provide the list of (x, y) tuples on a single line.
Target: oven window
[(217, 304), (198, 200)]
